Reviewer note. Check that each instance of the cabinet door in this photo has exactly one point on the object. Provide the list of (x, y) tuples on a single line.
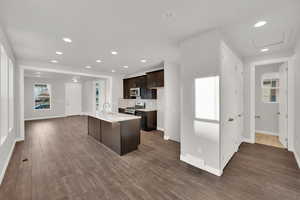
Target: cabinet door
[(151, 80), (160, 79), (94, 128)]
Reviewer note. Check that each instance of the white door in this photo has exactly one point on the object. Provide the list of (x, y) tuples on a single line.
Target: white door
[(230, 107), (73, 99), (283, 106)]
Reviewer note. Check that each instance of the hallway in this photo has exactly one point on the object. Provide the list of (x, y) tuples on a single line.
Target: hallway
[(65, 163)]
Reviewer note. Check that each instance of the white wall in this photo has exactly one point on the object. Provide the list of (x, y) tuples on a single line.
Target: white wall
[(6, 148), (57, 98), (268, 121), (172, 101), (160, 108), (297, 105), (200, 145)]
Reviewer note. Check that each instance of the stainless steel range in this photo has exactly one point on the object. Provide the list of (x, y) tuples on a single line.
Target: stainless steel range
[(138, 105)]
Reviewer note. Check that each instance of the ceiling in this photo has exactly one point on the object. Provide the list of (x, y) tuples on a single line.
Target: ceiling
[(140, 29), (56, 76)]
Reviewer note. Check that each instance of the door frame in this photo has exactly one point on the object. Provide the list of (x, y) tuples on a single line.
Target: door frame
[(290, 101), (21, 68)]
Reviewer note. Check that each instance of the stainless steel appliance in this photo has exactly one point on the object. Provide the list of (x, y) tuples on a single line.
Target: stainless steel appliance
[(135, 92), (132, 110)]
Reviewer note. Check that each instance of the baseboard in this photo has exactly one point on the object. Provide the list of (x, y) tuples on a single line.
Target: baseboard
[(166, 137), (46, 117), (247, 140), (19, 139), (266, 132), (7, 162), (199, 163), (297, 157), (160, 129)]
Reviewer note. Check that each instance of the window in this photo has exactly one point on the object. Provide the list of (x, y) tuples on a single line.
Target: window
[(99, 94), (207, 98), (42, 96), (270, 88)]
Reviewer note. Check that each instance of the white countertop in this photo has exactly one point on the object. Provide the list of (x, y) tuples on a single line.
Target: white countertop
[(112, 116), (144, 110)]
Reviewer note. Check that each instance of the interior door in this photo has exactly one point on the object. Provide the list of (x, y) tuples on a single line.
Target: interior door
[(73, 99), (283, 106), (229, 107)]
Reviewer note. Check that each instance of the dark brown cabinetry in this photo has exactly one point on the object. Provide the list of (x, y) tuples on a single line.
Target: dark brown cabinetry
[(148, 120), (155, 79), (138, 82), (146, 83), (94, 128), (121, 137)]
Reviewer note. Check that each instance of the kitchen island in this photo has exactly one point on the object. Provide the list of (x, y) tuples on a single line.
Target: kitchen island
[(119, 132)]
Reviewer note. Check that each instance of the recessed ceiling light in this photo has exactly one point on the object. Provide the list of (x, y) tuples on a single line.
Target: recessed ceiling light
[(125, 66), (98, 61), (59, 53), (113, 71), (67, 40), (143, 60), (114, 52), (74, 80), (88, 67), (264, 50), (54, 61), (260, 24)]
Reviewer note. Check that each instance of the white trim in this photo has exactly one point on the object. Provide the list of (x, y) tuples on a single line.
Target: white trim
[(247, 140), (266, 132), (297, 157), (291, 103), (7, 162), (166, 137), (160, 129), (199, 163), (19, 139), (44, 117)]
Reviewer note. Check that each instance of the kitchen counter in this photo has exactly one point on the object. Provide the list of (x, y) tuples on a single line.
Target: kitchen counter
[(119, 132), (143, 110), (112, 116)]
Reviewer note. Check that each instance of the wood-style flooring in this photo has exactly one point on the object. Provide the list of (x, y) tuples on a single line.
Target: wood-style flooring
[(270, 140), (65, 163)]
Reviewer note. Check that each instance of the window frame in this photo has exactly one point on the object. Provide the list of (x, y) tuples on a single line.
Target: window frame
[(49, 86), (218, 106), (271, 77)]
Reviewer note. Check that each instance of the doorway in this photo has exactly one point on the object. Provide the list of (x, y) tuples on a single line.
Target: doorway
[(271, 104), (271, 116)]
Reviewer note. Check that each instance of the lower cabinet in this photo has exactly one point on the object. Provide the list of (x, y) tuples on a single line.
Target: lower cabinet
[(94, 128), (148, 120)]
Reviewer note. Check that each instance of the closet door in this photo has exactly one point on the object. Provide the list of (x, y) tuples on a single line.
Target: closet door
[(73, 99)]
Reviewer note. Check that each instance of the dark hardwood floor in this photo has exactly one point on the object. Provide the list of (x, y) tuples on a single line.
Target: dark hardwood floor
[(65, 163)]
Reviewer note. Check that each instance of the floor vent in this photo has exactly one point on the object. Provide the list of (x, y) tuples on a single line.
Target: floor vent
[(25, 160)]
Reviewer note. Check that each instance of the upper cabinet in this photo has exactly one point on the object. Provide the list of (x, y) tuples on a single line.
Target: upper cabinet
[(155, 79), (147, 84)]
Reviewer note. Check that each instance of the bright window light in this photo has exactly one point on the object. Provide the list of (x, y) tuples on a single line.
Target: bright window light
[(207, 98)]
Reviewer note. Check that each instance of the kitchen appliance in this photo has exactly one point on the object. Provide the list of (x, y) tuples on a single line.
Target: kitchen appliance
[(132, 110), (135, 92)]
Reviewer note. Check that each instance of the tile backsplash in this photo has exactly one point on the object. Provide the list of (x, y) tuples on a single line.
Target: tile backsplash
[(150, 103)]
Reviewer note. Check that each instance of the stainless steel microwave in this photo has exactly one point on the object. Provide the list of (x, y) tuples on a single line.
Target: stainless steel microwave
[(135, 92)]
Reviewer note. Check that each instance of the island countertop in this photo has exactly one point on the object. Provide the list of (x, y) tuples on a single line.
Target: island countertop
[(112, 116)]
